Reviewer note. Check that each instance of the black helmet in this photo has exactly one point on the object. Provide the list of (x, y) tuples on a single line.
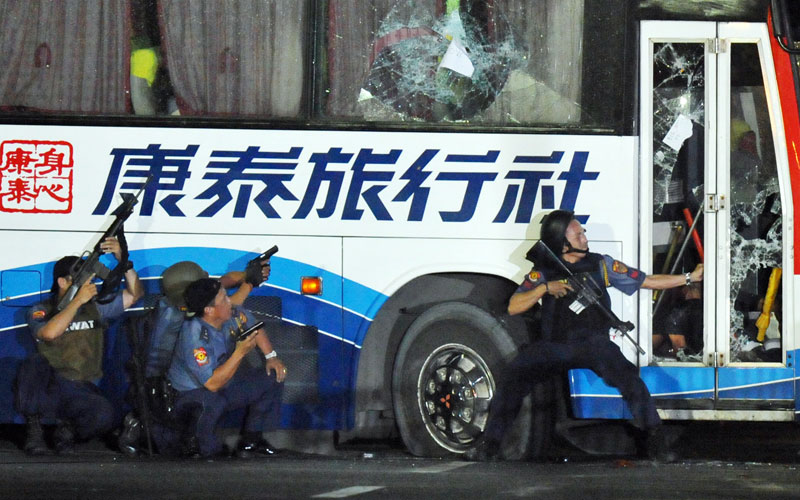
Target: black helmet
[(554, 229)]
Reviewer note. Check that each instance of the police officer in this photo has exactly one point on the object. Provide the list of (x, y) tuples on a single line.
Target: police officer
[(168, 319), (575, 336), (60, 381), (172, 307), (208, 373)]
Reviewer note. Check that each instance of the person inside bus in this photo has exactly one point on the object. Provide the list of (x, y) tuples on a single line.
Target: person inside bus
[(208, 373), (168, 317), (681, 327), (60, 381), (575, 334)]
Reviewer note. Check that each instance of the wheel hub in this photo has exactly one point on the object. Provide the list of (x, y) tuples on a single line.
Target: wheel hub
[(454, 391)]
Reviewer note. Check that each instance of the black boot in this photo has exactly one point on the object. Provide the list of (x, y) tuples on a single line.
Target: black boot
[(64, 438), (656, 446), (34, 439), (254, 444), (487, 450), (128, 440), (190, 447)]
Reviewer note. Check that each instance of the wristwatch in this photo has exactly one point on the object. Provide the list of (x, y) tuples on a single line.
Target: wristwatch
[(688, 277)]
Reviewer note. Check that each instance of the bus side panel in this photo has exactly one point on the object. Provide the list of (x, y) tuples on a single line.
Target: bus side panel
[(326, 408)]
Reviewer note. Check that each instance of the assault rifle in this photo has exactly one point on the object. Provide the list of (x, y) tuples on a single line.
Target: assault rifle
[(84, 268), (588, 293)]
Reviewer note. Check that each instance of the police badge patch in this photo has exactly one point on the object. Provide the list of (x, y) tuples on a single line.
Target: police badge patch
[(201, 356), (619, 267)]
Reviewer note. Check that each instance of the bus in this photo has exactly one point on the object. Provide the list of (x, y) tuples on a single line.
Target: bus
[(401, 154)]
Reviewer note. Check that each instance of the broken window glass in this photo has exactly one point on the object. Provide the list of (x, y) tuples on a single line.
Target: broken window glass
[(755, 216), (753, 203), (504, 62), (678, 122), (678, 171)]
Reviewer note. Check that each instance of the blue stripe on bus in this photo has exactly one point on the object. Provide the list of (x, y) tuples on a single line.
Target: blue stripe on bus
[(756, 383), (592, 398), (344, 310)]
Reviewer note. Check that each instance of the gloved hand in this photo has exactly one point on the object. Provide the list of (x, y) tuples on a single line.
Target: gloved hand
[(254, 272)]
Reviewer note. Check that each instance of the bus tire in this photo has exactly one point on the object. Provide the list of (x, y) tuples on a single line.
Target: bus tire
[(444, 376)]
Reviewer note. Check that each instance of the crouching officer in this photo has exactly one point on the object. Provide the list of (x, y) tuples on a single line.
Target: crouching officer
[(162, 338), (208, 372), (60, 381), (575, 335)]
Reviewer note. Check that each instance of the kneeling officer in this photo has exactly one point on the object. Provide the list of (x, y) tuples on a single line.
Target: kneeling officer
[(208, 372)]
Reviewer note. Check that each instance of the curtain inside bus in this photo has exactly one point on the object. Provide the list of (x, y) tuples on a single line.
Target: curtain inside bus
[(65, 56), (243, 58)]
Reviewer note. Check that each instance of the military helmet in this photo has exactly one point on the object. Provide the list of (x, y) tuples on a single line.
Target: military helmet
[(554, 229), (177, 277)]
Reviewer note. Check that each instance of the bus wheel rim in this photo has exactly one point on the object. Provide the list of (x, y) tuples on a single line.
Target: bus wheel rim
[(454, 389)]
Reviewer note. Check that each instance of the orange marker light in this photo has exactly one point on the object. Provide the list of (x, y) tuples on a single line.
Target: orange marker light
[(311, 285)]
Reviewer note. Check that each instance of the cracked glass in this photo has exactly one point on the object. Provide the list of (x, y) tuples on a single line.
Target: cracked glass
[(505, 62), (755, 216), (679, 89), (753, 206)]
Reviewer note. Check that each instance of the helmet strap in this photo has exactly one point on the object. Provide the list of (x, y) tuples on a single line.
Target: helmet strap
[(572, 249)]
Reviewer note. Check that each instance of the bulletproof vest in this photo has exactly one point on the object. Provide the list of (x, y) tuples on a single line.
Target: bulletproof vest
[(166, 327), (78, 353), (562, 324)]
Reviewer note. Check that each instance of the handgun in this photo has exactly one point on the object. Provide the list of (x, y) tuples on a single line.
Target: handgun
[(253, 329)]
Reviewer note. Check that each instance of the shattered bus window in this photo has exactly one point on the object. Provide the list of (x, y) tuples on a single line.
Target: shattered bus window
[(753, 204), (468, 62), (678, 118), (678, 170), (756, 230), (446, 69)]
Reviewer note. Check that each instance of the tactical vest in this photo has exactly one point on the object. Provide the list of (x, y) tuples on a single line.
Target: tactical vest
[(559, 322), (78, 353)]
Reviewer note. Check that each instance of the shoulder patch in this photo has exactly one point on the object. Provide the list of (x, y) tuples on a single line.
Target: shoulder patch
[(534, 275), (201, 356), (619, 267), (40, 314), (242, 318)]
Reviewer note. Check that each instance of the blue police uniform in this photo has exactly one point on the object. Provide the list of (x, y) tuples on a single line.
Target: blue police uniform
[(60, 381), (200, 350), (574, 336)]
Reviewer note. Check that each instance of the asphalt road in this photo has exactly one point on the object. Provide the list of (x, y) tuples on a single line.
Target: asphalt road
[(724, 461)]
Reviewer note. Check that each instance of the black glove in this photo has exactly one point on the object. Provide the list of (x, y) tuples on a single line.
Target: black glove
[(252, 273)]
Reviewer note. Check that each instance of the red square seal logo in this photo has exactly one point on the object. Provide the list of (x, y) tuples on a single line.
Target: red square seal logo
[(36, 176)]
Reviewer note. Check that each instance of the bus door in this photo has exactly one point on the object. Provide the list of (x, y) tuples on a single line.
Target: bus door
[(715, 190)]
